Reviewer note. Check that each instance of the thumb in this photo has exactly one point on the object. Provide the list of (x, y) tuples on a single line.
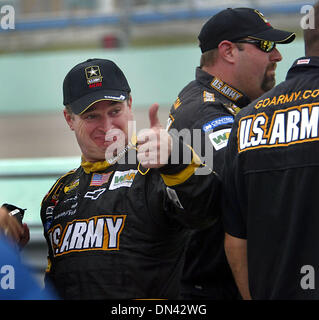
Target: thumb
[(152, 113)]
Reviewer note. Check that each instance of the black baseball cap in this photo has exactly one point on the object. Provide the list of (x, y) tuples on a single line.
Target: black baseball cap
[(234, 24), (94, 80)]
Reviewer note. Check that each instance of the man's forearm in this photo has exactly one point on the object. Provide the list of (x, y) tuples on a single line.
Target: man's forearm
[(236, 252)]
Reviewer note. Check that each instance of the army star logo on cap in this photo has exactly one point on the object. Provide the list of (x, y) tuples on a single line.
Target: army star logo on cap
[(93, 76), (262, 17)]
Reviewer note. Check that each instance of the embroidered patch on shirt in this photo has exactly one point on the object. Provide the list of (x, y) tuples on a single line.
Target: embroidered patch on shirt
[(71, 186), (217, 122), (208, 97), (99, 179), (225, 89), (303, 61), (219, 139), (122, 179)]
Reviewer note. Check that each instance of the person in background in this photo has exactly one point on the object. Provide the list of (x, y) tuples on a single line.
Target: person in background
[(16, 280), (11, 224), (237, 65), (271, 179)]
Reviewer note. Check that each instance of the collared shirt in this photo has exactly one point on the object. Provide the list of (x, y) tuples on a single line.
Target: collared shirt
[(272, 182), (118, 231), (207, 107)]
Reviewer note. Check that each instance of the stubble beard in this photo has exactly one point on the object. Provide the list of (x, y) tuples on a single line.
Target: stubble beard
[(269, 79)]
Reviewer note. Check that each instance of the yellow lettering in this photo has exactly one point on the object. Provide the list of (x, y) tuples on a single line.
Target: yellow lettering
[(297, 94), (259, 104), (315, 93), (265, 104), (273, 101), (289, 99), (130, 176), (308, 94), (280, 99)]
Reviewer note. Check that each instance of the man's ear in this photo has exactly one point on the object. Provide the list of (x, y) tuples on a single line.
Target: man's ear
[(129, 102), (69, 119), (227, 51)]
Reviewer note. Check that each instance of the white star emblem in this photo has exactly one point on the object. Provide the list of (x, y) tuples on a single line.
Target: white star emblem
[(93, 72)]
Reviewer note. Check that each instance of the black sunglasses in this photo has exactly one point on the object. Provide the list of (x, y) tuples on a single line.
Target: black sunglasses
[(264, 45)]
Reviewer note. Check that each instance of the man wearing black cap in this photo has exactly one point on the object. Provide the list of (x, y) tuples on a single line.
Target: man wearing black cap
[(238, 63), (116, 229), (271, 216)]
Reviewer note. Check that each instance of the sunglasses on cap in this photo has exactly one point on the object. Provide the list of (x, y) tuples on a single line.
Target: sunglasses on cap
[(264, 45)]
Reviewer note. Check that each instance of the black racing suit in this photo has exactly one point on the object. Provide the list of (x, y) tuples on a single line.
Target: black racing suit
[(118, 232), (272, 179), (207, 106)]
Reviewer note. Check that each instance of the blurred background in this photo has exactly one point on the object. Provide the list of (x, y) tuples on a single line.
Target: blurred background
[(153, 41)]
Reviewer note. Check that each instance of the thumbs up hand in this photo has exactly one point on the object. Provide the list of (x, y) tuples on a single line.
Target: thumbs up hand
[(152, 114), (154, 145)]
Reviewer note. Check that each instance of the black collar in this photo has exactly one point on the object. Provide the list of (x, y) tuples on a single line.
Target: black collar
[(231, 94), (303, 65)]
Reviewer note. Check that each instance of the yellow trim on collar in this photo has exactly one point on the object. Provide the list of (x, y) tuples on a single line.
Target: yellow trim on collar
[(89, 167)]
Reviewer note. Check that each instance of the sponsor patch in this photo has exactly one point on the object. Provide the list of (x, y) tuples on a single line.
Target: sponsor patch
[(122, 179), (98, 179), (232, 108), (208, 97), (303, 61), (217, 122), (94, 195), (120, 98), (48, 218), (219, 139), (71, 186), (93, 76), (226, 89), (97, 233)]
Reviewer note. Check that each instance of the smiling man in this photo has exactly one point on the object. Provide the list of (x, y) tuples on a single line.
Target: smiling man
[(98, 128), (116, 229)]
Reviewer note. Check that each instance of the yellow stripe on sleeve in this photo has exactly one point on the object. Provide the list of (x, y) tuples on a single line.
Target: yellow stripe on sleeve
[(175, 179)]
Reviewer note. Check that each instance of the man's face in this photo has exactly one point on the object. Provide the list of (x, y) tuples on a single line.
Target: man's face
[(256, 70), (102, 127)]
